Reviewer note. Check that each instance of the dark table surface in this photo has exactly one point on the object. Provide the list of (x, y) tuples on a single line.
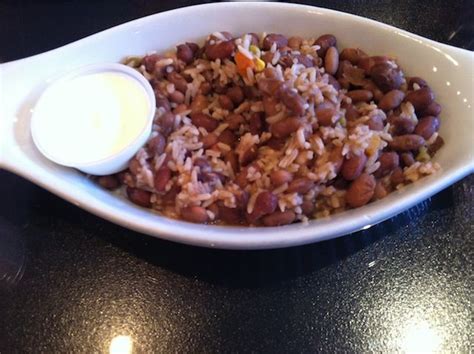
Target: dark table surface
[(71, 282)]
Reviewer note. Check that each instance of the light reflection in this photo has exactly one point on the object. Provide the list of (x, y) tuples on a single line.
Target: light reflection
[(367, 227), (435, 69), (419, 337), (464, 100), (121, 345), (448, 83), (458, 93)]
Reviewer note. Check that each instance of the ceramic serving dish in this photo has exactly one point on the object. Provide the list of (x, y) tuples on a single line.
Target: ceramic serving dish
[(449, 71)]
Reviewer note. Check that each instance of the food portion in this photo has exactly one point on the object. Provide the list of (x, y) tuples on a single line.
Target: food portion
[(269, 130)]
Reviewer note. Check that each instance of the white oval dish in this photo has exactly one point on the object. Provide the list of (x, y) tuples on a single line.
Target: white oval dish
[(449, 71), (113, 160)]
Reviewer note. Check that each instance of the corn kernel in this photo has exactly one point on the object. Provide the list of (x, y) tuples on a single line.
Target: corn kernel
[(255, 50), (259, 64)]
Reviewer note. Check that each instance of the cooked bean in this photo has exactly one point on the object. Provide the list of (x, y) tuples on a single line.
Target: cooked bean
[(185, 53), (407, 158), (267, 57), (378, 94), (279, 218), (285, 127), (235, 121), (212, 178), (300, 185), (178, 80), (251, 92), (401, 125), (307, 207), (407, 142), (367, 63), (177, 97), (149, 61), (193, 46), (397, 177), (276, 143), (361, 191), (420, 99), (265, 203), (231, 216), (295, 42), (220, 50), (416, 80), (360, 95), (386, 77), (227, 137), (205, 88), (388, 162), (209, 140), (162, 102), (280, 177), (279, 39), (157, 144), (256, 123), (325, 42), (180, 108), (226, 102), (375, 122), (198, 104), (110, 182), (269, 86), (204, 121), (305, 60), (139, 197), (269, 105), (166, 123), (353, 166), (195, 214), (427, 126), (293, 101), (352, 54), (325, 111), (162, 177), (248, 156), (331, 60), (351, 112), (344, 83), (433, 109), (235, 94), (391, 100), (380, 191)]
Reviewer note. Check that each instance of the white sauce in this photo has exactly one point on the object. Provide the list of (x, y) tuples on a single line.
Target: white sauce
[(90, 117)]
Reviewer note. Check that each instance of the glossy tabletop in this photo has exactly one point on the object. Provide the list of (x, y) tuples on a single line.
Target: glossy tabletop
[(72, 282)]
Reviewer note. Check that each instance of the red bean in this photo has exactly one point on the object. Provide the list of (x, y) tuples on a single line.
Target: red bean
[(307, 207), (227, 137), (331, 60), (360, 95), (162, 101), (386, 77), (380, 191), (433, 109), (269, 105), (438, 144), (376, 122), (209, 140), (401, 125), (195, 214), (293, 101), (353, 166), (236, 94), (150, 61), (256, 123), (280, 177), (427, 126), (235, 121), (226, 102), (397, 177), (134, 166), (361, 191), (420, 99), (178, 80), (305, 60), (332, 81), (248, 156), (166, 123), (407, 158), (177, 97), (325, 42), (220, 50), (295, 42), (285, 127), (391, 100), (367, 63), (162, 177), (231, 157), (300, 185), (325, 111), (388, 162), (199, 104), (110, 182), (185, 53), (279, 218), (269, 86), (279, 39), (157, 144), (416, 80), (231, 216), (336, 158), (351, 112), (202, 120), (139, 197), (352, 54), (407, 142), (265, 203)]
